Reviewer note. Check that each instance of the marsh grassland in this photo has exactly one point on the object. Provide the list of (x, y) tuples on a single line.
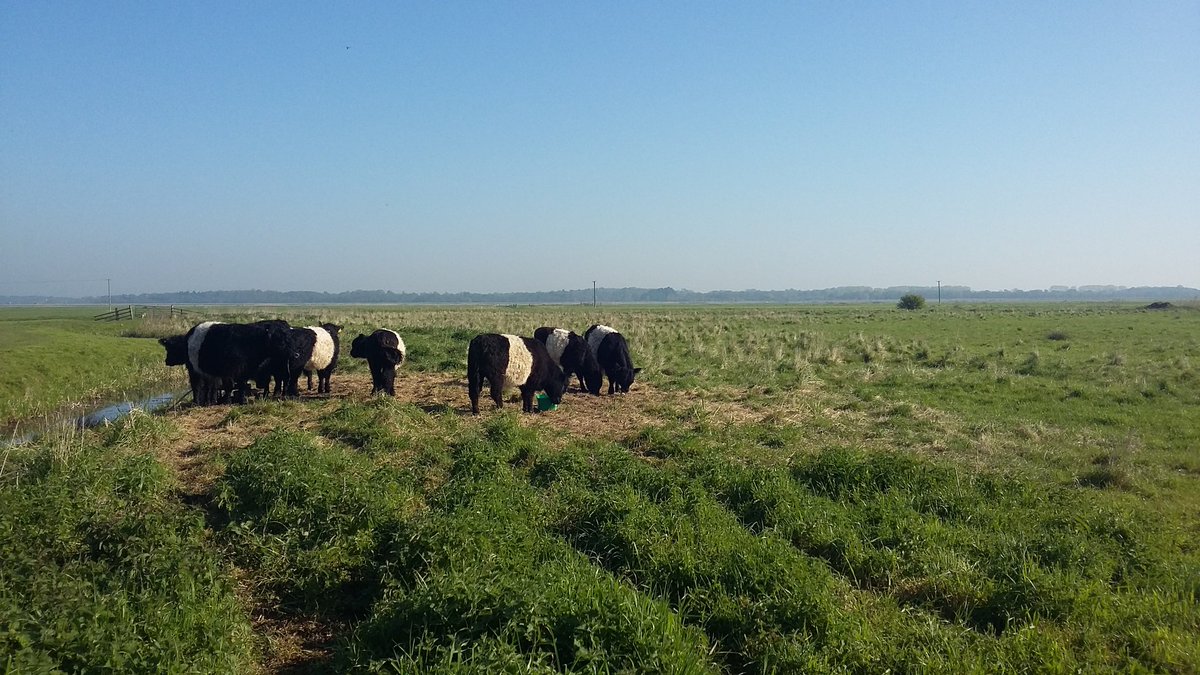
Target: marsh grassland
[(787, 489)]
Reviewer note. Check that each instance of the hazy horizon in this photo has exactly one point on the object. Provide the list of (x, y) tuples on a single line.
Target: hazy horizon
[(528, 147), (952, 290)]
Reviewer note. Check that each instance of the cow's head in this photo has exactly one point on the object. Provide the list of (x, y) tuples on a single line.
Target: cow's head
[(359, 347), (177, 349), (556, 386), (624, 378)]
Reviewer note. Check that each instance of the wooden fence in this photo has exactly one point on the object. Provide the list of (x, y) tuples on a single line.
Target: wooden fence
[(116, 314), (142, 311)]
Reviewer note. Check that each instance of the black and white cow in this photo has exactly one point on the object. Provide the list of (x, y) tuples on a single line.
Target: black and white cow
[(235, 353), (612, 353), (571, 353), (384, 352), (509, 361), (324, 355), (205, 390), (313, 348)]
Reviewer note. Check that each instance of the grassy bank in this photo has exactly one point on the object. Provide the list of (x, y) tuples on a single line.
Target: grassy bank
[(61, 360), (1001, 489)]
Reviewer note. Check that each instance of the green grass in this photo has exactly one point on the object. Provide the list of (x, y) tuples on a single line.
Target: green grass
[(821, 489), (101, 567), (60, 359)]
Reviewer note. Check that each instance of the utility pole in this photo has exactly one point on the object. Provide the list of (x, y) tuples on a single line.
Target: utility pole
[(939, 291), (109, 282), (593, 293)]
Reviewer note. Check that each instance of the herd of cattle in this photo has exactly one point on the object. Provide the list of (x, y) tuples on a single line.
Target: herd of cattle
[(222, 359)]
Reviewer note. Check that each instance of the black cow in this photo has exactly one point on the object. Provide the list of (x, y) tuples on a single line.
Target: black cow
[(384, 352), (510, 361), (236, 353), (571, 353), (263, 378), (612, 353)]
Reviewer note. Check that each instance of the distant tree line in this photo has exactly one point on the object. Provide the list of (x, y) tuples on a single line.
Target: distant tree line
[(623, 295)]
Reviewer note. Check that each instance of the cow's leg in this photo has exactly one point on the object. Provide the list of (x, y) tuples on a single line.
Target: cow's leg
[(474, 385), (389, 379), (385, 380), (293, 386), (497, 390), (527, 399)]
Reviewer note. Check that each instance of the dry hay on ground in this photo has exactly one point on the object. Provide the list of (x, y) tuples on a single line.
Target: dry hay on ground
[(611, 417)]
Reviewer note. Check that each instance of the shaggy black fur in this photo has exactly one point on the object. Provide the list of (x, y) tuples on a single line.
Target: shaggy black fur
[(613, 356), (576, 360), (382, 352), (487, 359), (236, 353), (262, 379)]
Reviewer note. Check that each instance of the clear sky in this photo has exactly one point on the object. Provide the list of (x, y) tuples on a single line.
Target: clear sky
[(518, 146)]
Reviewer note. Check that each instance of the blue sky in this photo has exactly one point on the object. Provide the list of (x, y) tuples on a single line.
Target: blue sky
[(523, 146)]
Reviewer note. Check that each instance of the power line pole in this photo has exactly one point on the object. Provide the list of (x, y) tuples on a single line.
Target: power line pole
[(109, 282), (939, 291), (593, 293)]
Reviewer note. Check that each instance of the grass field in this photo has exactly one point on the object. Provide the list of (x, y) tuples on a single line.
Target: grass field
[(787, 489)]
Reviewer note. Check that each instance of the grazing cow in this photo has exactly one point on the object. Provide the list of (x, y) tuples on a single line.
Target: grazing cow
[(508, 361), (236, 353), (384, 352), (571, 353), (205, 390), (612, 353)]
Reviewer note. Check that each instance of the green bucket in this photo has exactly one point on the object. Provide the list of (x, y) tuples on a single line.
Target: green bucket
[(543, 403)]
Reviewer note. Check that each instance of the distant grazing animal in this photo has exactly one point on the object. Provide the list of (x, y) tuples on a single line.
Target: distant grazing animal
[(612, 353), (509, 361), (384, 352), (236, 353), (572, 354)]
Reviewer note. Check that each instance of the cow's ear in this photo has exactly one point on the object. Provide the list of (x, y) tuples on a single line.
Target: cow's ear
[(637, 370), (162, 341)]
